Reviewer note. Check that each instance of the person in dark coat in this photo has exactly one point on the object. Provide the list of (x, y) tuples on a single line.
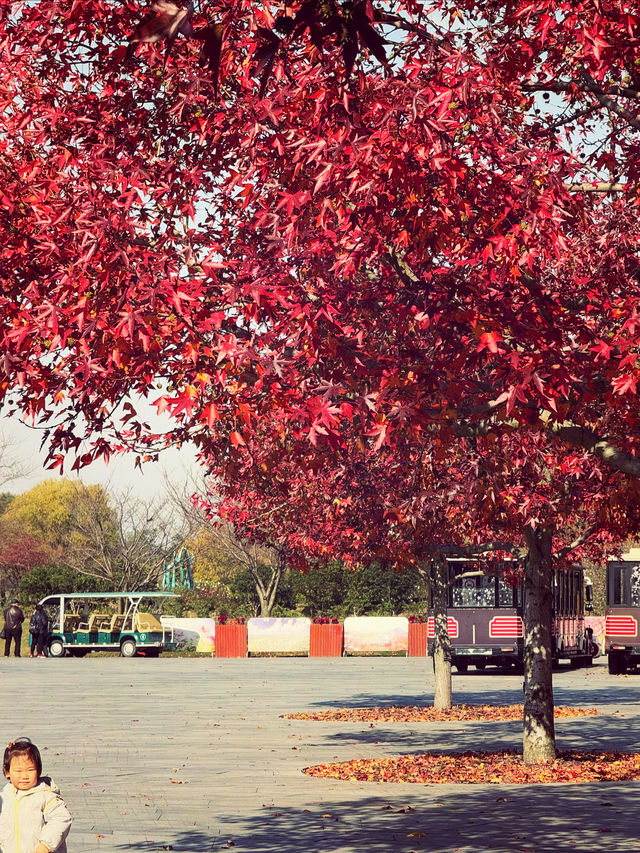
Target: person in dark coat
[(39, 630), (13, 619)]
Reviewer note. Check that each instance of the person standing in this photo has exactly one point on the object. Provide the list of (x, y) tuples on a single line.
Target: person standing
[(39, 631), (13, 619), (33, 816)]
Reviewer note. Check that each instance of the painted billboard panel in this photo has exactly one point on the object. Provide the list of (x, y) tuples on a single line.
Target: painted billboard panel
[(197, 635), (279, 635), (376, 634)]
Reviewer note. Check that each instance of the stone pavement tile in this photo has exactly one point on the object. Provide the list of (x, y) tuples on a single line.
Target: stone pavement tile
[(115, 733)]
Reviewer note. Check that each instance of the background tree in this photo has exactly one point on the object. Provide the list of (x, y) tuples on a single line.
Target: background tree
[(45, 512), (396, 248), (109, 537), (18, 556), (34, 529), (50, 579), (5, 500), (121, 539), (221, 554)]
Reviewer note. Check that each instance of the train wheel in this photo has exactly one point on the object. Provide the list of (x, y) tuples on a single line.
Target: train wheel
[(617, 664), (482, 665), (462, 666)]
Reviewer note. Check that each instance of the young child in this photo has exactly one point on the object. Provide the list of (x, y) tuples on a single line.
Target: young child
[(34, 817)]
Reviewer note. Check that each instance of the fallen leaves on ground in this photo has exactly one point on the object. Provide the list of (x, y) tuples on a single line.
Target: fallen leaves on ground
[(505, 768), (428, 714)]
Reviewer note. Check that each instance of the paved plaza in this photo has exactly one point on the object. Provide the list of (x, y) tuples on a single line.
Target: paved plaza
[(191, 754)]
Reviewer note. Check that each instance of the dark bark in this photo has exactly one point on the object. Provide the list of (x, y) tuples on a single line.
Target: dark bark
[(442, 697), (538, 729)]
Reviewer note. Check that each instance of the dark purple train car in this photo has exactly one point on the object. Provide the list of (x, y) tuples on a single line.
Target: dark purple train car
[(485, 619), (622, 615)]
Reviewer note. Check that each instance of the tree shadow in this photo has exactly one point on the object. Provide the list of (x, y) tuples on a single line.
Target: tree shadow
[(609, 694), (582, 733), (413, 817)]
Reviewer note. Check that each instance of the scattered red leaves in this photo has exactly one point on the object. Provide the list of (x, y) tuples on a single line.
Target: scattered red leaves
[(506, 768), (428, 714)]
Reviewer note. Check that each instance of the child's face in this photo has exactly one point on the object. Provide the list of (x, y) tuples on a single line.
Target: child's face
[(22, 774)]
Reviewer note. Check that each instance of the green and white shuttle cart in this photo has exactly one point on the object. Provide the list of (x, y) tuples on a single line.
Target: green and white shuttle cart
[(125, 622)]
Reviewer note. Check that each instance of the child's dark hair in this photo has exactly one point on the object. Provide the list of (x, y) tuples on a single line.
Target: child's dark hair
[(22, 746)]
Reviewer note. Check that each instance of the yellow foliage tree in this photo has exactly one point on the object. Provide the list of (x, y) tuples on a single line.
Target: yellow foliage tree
[(47, 512)]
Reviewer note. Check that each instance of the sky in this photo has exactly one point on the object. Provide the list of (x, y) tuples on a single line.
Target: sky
[(23, 445)]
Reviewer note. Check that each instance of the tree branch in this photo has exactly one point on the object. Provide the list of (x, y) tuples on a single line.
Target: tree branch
[(578, 541)]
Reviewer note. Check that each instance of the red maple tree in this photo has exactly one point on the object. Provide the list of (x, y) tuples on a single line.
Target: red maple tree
[(414, 505), (325, 223)]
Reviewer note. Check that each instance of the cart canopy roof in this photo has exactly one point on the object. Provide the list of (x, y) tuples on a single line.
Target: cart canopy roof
[(49, 599)]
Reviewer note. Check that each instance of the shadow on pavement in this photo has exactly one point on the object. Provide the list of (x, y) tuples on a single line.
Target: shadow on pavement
[(583, 733), (613, 694), (454, 819)]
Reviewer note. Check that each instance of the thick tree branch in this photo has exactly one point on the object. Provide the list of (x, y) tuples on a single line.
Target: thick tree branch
[(597, 187), (578, 541), (471, 550), (599, 446), (560, 87)]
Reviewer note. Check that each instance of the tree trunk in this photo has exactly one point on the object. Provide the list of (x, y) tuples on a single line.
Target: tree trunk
[(267, 592), (442, 697), (538, 730)]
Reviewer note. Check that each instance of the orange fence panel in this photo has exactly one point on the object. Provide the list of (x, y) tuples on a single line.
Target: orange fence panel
[(231, 641), (326, 640), (417, 639)]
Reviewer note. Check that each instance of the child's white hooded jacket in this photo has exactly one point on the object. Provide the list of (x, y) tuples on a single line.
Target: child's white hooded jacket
[(30, 817)]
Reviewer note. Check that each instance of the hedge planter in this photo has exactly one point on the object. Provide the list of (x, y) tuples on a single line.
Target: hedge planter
[(326, 640), (231, 641)]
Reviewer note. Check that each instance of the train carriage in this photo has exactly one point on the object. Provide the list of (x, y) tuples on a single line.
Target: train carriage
[(622, 615), (486, 618)]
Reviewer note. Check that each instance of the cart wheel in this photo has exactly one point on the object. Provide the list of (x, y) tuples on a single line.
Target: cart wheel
[(56, 649), (128, 648)]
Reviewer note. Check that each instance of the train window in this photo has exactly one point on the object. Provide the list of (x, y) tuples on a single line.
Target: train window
[(635, 586), (506, 594), (474, 592), (580, 596), (519, 596), (623, 584), (616, 584)]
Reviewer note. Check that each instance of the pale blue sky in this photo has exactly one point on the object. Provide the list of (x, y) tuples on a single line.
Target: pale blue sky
[(118, 475)]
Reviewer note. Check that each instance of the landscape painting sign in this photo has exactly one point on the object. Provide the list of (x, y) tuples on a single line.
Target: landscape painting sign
[(279, 635), (194, 634), (376, 634)]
